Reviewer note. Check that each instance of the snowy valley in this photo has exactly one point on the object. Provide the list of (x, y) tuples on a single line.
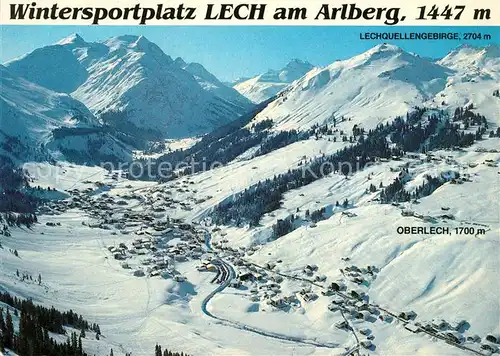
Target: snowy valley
[(353, 209)]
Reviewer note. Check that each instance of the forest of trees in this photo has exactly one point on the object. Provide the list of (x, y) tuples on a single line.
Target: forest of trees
[(410, 134), (35, 323), (395, 191), (12, 183), (406, 134), (265, 196), (11, 219), (281, 139)]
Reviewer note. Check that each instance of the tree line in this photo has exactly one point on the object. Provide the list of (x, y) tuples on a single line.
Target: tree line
[(35, 323), (13, 182), (406, 134)]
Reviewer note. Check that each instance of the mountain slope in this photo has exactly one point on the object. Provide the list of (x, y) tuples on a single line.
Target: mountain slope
[(33, 111), (475, 79), (266, 85), (40, 124), (131, 84), (468, 57), (210, 83), (367, 89), (53, 67)]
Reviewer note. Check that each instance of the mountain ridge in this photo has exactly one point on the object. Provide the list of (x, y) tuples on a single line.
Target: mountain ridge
[(268, 84), (134, 81), (382, 82)]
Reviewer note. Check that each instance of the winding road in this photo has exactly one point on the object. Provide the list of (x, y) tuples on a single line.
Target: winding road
[(229, 275), (354, 350)]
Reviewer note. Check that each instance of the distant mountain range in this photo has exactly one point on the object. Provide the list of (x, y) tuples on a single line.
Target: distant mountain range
[(130, 83), (88, 100), (268, 84), (385, 82), (210, 83)]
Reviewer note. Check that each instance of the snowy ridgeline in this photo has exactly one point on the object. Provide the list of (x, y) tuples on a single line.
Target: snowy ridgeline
[(132, 76), (120, 89)]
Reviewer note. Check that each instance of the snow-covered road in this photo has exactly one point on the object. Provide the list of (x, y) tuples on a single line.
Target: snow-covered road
[(230, 274)]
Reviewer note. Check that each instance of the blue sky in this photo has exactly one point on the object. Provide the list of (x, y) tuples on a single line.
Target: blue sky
[(231, 52)]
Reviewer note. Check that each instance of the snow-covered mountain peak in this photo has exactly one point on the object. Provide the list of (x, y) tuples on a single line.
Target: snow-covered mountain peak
[(467, 57), (74, 39), (133, 82), (180, 62), (297, 64), (383, 52), (293, 70), (47, 66), (375, 85), (268, 84), (386, 47), (297, 61), (138, 44), (200, 71), (210, 83)]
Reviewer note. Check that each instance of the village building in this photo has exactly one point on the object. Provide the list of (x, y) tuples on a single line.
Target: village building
[(458, 324), (338, 300), (366, 343), (364, 315), (343, 325), (474, 338), (365, 331), (277, 302), (277, 278), (179, 278), (235, 283), (327, 292), (440, 324), (386, 318), (453, 336), (412, 327), (320, 278), (408, 315), (495, 338), (255, 298), (139, 273), (358, 294), (333, 307), (337, 286), (490, 347), (309, 297)]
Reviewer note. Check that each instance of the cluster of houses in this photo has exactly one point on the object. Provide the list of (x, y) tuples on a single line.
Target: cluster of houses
[(154, 255), (454, 332), (116, 175), (359, 275), (95, 205), (151, 252), (354, 304), (427, 218)]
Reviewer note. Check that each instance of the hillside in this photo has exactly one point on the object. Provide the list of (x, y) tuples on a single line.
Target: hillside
[(40, 124)]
